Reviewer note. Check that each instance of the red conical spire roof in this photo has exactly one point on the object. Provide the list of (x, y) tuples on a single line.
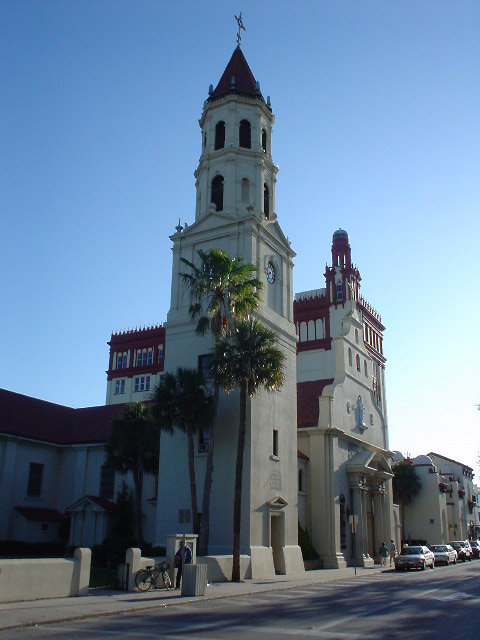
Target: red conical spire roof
[(244, 81)]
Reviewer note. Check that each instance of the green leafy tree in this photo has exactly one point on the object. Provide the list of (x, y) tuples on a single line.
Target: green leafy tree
[(249, 359), (133, 447), (182, 401), (406, 484), (221, 288)]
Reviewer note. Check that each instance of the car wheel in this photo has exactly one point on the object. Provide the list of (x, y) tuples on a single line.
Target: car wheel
[(433, 564), (423, 566), (455, 561)]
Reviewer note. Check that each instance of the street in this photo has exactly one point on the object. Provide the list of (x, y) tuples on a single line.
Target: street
[(440, 604)]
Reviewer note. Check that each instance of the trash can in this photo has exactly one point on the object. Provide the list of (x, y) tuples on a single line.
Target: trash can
[(194, 579)]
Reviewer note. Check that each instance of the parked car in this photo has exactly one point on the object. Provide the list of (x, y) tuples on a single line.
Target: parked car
[(414, 558), (444, 554), (463, 549), (475, 545)]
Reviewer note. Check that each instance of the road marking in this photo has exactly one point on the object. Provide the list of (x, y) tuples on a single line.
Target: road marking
[(315, 632)]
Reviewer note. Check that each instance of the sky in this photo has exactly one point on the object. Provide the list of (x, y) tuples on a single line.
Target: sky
[(377, 131)]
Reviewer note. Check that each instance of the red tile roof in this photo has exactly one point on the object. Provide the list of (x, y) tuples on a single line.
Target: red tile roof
[(307, 401), (35, 419), (244, 80), (39, 514)]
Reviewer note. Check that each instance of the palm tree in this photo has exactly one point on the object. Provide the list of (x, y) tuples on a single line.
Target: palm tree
[(248, 358), (406, 484), (182, 401), (222, 287), (133, 446)]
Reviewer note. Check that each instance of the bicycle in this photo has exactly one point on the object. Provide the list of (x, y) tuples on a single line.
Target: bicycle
[(147, 578)]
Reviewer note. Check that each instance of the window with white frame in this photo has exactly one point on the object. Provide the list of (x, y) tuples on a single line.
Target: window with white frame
[(142, 383), (119, 387)]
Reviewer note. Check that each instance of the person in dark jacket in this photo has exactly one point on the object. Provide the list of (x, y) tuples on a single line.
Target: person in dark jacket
[(184, 552)]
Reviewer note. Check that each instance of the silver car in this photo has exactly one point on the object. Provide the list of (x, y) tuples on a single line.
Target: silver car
[(444, 554), (415, 558)]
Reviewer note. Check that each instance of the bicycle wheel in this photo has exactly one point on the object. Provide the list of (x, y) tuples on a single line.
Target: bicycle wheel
[(143, 580), (166, 580)]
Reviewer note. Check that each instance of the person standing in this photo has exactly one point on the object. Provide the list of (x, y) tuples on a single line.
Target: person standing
[(392, 551), (383, 554), (184, 552)]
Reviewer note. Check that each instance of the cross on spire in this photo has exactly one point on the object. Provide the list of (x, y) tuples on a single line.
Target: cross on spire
[(240, 27)]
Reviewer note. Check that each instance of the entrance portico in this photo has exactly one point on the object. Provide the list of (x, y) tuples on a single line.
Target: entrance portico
[(368, 473)]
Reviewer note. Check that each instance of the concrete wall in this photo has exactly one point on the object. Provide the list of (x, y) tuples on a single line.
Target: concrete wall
[(39, 578)]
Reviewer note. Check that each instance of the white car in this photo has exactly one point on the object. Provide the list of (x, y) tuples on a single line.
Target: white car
[(414, 558), (444, 554)]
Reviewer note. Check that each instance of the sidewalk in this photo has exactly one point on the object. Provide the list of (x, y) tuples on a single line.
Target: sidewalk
[(101, 602)]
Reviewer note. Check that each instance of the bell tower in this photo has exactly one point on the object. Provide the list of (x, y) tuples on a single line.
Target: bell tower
[(236, 173), (235, 212)]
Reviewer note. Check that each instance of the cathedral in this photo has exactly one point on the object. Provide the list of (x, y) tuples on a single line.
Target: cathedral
[(330, 417), (317, 452)]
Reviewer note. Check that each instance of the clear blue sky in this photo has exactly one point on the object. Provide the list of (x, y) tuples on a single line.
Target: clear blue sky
[(377, 131)]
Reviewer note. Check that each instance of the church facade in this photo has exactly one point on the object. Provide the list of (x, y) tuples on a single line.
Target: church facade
[(342, 418)]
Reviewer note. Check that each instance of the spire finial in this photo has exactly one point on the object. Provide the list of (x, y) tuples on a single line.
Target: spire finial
[(240, 27)]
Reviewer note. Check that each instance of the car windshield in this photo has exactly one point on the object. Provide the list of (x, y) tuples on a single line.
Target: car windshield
[(412, 551)]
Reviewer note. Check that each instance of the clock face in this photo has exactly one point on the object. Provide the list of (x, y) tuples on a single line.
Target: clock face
[(270, 273)]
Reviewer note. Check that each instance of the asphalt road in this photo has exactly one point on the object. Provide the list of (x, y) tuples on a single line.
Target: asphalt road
[(442, 604)]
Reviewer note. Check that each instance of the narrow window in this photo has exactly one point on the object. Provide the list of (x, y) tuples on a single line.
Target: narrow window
[(339, 292), (356, 336), (119, 361), (204, 363), (217, 192), (160, 354), (365, 368), (150, 356), (264, 141), (107, 482), (144, 357), (219, 135), (203, 440), (266, 202), (275, 442), (139, 358), (350, 361), (245, 193), (300, 479), (124, 366), (245, 134), (35, 476), (358, 362)]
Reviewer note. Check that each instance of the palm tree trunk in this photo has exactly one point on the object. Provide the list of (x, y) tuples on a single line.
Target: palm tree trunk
[(237, 507), (193, 482), (204, 534)]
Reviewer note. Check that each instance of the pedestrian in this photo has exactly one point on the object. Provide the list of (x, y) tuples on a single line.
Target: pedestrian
[(184, 552), (392, 551), (383, 554)]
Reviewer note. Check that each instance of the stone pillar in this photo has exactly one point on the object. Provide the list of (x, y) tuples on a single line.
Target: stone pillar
[(83, 559)]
